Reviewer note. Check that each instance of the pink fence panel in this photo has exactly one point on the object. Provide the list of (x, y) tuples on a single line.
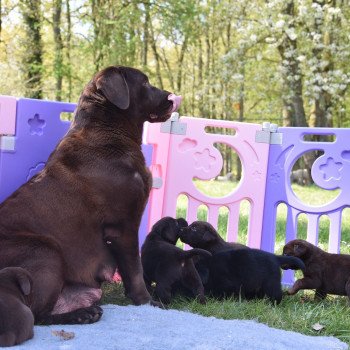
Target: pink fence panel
[(160, 142), (193, 155), (8, 105)]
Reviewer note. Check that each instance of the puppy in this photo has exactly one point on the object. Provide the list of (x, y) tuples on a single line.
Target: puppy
[(16, 318), (325, 272), (249, 273), (167, 265), (201, 234)]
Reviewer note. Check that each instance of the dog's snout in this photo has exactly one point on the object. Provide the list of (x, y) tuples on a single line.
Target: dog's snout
[(176, 100)]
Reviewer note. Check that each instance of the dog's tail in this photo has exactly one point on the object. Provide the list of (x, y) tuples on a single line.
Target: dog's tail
[(187, 254), (290, 262)]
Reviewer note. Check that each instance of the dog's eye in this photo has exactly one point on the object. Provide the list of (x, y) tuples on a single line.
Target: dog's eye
[(193, 229)]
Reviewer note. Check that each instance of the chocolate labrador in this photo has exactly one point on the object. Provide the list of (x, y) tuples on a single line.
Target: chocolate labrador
[(92, 191), (16, 318), (325, 272), (201, 234), (171, 268)]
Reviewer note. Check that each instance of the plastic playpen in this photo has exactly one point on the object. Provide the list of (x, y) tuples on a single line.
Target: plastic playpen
[(183, 149)]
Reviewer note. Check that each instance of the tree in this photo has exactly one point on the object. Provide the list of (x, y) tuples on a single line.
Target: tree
[(33, 59)]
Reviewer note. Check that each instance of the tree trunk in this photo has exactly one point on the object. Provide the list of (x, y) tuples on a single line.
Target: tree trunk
[(68, 45), (0, 20), (58, 63), (145, 36), (293, 106), (321, 112), (33, 59)]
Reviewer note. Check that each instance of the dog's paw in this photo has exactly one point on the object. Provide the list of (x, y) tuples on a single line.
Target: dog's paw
[(157, 304), (86, 315), (202, 299)]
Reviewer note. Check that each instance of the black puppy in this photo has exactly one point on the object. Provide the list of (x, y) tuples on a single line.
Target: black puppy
[(249, 273), (167, 265), (16, 318), (201, 234)]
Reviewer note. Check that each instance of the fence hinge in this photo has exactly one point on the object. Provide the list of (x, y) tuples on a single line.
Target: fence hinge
[(7, 143), (157, 182), (173, 125), (269, 134)]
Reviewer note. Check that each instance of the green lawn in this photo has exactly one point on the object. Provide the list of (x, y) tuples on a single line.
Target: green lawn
[(298, 313)]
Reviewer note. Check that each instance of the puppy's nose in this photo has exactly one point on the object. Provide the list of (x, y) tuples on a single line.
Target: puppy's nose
[(176, 100)]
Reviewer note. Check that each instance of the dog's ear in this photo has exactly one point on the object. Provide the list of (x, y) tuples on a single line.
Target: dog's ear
[(299, 249), (114, 87), (169, 234), (208, 236), (25, 282), (182, 223)]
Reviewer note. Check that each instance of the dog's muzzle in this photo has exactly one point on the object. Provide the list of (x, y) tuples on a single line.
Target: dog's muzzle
[(176, 100)]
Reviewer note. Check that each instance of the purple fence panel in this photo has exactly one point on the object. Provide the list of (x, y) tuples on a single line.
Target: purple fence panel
[(38, 130), (330, 171)]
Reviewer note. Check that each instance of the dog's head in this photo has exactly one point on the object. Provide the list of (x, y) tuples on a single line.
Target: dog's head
[(126, 91), (199, 234), (169, 229), (298, 248), (19, 281)]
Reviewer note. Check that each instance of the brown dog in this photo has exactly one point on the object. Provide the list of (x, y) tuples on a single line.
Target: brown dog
[(169, 266), (201, 234), (16, 318), (325, 272), (92, 191)]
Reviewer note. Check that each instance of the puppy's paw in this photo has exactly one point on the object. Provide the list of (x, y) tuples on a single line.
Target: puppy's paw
[(202, 300), (86, 315), (157, 304)]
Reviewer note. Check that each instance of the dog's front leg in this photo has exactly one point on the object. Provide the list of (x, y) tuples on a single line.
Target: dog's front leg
[(304, 283), (125, 246)]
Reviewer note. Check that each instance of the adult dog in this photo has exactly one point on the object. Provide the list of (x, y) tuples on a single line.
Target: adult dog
[(92, 191), (325, 272)]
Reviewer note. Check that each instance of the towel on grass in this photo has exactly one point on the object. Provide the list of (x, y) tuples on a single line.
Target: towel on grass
[(149, 328)]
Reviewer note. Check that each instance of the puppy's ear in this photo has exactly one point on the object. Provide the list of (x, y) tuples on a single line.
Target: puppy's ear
[(114, 87), (25, 283), (169, 234), (182, 223), (298, 249), (208, 237)]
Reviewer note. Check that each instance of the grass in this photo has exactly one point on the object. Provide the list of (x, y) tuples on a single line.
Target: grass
[(296, 313)]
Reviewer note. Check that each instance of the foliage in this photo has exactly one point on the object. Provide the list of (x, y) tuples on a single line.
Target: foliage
[(282, 61)]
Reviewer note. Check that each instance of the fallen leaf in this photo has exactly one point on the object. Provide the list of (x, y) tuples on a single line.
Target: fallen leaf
[(63, 334), (317, 326)]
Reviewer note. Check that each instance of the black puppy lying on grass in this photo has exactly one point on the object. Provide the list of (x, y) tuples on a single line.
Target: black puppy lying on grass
[(169, 266), (249, 273)]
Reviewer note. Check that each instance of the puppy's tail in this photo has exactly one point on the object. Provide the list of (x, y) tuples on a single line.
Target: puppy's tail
[(187, 254), (290, 262)]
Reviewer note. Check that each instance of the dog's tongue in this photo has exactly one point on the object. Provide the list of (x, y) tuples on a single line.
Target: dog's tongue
[(176, 100)]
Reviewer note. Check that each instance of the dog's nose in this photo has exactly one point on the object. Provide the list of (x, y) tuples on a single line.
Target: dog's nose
[(176, 100)]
